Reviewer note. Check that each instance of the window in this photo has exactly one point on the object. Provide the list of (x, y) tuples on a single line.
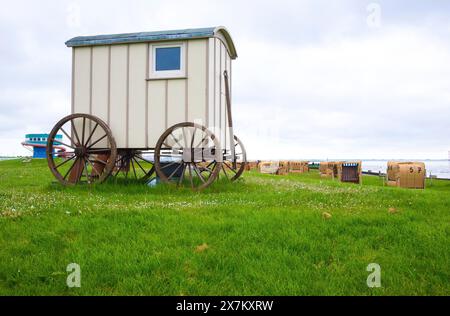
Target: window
[(168, 58), (167, 61)]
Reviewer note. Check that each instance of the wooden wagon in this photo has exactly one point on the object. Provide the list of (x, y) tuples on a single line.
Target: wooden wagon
[(153, 104)]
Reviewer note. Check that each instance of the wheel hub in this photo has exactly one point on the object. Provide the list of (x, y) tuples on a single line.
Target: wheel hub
[(80, 151)]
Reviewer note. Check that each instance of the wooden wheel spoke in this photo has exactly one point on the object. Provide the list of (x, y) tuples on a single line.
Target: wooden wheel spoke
[(225, 172), (180, 181), (91, 134), (193, 137), (151, 170), (171, 164), (174, 172), (230, 168), (139, 165), (64, 162), (83, 131), (70, 169), (184, 137), (208, 170), (67, 135), (100, 161), (93, 167), (86, 170), (198, 173), (176, 141), (75, 131), (119, 168), (134, 169), (97, 141), (190, 176), (202, 141), (60, 142), (143, 159)]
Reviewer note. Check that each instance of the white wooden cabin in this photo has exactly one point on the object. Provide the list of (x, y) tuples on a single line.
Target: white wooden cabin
[(140, 84)]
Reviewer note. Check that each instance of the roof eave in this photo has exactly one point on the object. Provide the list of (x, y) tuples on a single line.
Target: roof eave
[(229, 41), (115, 39), (80, 42)]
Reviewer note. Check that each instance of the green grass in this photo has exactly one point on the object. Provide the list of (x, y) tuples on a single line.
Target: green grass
[(266, 235)]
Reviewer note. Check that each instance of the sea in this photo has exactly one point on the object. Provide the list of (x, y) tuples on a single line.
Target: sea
[(438, 168)]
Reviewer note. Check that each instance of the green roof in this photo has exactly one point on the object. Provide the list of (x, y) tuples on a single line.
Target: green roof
[(140, 37)]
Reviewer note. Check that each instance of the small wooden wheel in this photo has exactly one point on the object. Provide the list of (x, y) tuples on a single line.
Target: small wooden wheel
[(233, 170), (134, 164), (89, 150), (188, 154)]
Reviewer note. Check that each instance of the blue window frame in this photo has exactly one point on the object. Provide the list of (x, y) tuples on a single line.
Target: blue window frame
[(168, 58)]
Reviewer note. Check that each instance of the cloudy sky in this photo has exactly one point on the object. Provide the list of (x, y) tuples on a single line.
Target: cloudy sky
[(314, 79)]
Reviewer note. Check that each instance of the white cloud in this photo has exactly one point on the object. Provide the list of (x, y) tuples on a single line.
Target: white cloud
[(312, 79), (371, 94)]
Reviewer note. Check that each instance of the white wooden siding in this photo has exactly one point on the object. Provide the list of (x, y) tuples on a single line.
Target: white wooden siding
[(176, 102), (111, 82), (223, 103), (197, 81), (211, 87), (118, 101), (82, 87), (220, 62), (82, 81), (100, 89), (156, 110), (137, 87), (227, 128), (100, 66), (217, 84)]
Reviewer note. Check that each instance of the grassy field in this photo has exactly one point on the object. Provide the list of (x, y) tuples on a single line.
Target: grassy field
[(265, 235)]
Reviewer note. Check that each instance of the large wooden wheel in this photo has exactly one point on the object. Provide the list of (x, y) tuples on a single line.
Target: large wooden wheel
[(90, 150), (188, 154), (233, 168), (134, 164)]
